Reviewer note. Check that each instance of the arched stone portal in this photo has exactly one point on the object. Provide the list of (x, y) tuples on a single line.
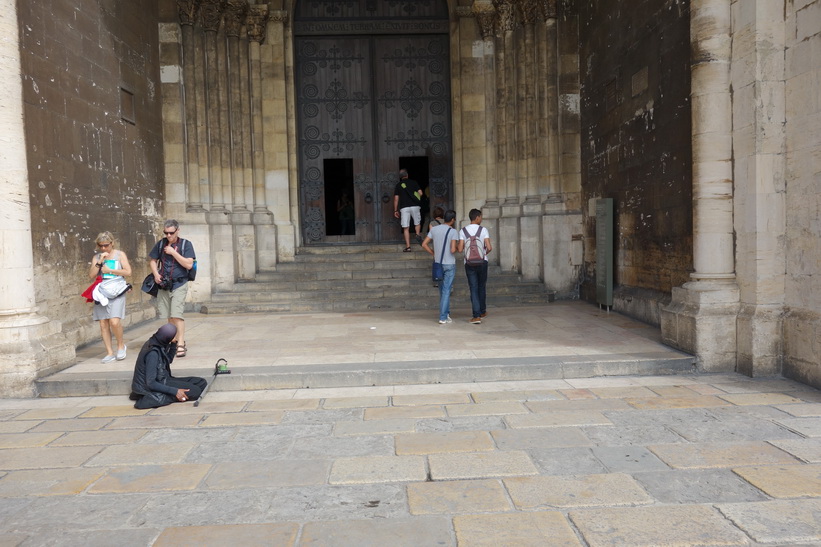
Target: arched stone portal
[(372, 96)]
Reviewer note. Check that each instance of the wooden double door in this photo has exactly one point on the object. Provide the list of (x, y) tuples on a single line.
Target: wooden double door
[(366, 107)]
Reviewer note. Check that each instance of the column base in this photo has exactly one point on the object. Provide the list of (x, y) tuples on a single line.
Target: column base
[(760, 344), (31, 346), (701, 319)]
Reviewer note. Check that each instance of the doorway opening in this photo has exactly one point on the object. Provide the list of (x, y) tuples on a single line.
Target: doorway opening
[(418, 170), (340, 214)]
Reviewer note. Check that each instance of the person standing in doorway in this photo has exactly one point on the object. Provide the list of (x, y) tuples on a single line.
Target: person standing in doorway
[(407, 203), (345, 211), (445, 243), (110, 263), (474, 242), (170, 260)]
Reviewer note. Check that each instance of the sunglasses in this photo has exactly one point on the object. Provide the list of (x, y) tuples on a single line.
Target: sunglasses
[(104, 244), (170, 233)]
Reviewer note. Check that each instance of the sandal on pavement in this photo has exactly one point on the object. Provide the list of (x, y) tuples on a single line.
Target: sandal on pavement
[(406, 250), (182, 351)]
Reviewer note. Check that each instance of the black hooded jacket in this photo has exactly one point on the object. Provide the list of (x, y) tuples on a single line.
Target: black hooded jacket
[(151, 373)]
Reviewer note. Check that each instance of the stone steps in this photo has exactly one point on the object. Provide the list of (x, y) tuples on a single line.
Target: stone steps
[(362, 277), (388, 373)]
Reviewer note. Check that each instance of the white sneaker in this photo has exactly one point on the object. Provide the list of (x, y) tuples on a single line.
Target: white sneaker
[(107, 359), (121, 353), (445, 321)]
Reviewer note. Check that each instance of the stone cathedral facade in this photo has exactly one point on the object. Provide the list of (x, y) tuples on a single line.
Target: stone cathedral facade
[(247, 120)]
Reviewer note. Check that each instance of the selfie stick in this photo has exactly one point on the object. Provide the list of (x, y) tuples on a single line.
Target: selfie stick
[(221, 367)]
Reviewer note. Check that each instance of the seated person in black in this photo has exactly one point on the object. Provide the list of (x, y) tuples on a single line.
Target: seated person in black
[(153, 385)]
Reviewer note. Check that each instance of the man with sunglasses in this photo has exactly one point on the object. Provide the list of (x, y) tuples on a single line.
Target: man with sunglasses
[(171, 259)]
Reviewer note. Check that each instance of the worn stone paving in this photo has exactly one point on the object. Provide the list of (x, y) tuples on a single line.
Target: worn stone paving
[(656, 460)]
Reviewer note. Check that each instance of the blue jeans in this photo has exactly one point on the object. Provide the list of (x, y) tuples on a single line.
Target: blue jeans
[(444, 290), (477, 281)]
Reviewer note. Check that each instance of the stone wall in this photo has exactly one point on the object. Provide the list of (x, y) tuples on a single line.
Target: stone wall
[(802, 321), (635, 146), (94, 146)]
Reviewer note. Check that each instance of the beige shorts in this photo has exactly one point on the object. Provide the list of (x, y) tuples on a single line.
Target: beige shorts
[(172, 303), (407, 212)]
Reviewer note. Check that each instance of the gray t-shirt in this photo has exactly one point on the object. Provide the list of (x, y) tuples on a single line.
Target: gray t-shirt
[(442, 235)]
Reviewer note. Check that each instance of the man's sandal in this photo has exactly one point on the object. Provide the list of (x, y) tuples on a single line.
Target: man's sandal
[(182, 351)]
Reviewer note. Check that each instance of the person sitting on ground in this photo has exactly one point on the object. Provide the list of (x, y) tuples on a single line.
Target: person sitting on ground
[(153, 385)]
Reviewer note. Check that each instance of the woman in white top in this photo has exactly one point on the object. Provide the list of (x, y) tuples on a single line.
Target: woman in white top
[(110, 262)]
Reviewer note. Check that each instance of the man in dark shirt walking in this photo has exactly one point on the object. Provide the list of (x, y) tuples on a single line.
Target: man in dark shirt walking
[(407, 203)]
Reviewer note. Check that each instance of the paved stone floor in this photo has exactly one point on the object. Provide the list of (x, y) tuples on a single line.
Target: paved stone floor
[(664, 460), (696, 459)]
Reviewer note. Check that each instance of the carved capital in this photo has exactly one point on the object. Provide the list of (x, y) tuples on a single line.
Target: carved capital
[(548, 9), (211, 11), (527, 9), (463, 11), (187, 10), (485, 17), (256, 22), (279, 16), (506, 14), (235, 11)]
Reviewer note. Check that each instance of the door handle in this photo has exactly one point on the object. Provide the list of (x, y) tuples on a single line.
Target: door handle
[(385, 198), (368, 198)]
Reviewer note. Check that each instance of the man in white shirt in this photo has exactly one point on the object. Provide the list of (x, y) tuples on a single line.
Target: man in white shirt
[(445, 242), (476, 262)]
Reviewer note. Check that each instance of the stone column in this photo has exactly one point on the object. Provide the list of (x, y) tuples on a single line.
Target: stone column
[(211, 17), (547, 157), (507, 244), (702, 316), (487, 20), (234, 17), (507, 25), (221, 240), (223, 92), (529, 85), (245, 252), (188, 10), (759, 119), (28, 342), (531, 220), (256, 24), (279, 132)]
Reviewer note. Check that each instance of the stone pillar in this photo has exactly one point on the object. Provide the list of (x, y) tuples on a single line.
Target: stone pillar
[(486, 19), (548, 164), (187, 10), (279, 132), (263, 218), (29, 342), (211, 17), (507, 243), (759, 119), (531, 248), (221, 240), (244, 233), (223, 93), (234, 17), (701, 318)]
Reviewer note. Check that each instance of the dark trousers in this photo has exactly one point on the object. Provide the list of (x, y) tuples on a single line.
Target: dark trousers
[(194, 385), (477, 281)]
